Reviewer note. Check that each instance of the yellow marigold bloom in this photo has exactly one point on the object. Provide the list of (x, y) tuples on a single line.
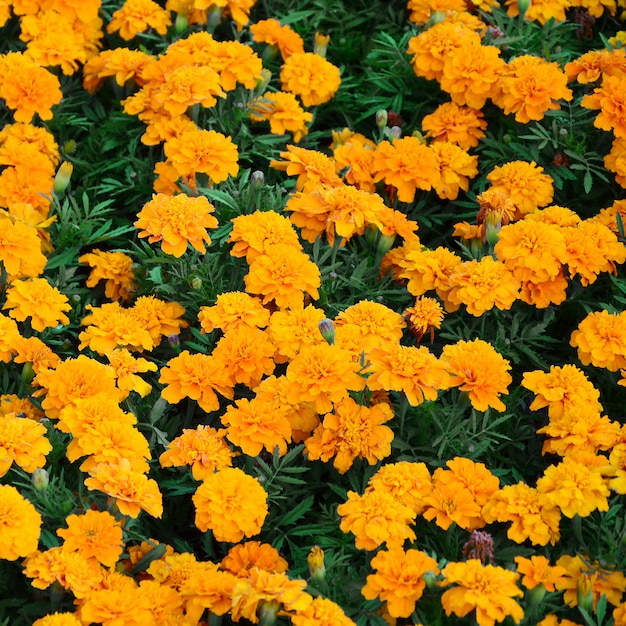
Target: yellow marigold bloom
[(34, 351), (28, 88), (488, 589), (431, 47), (352, 431), (20, 525), (615, 161), (22, 441), (230, 503), (273, 33), (293, 329), (600, 580), (424, 317), (456, 167), (72, 380), (20, 250), (283, 275), (406, 164), (256, 425), (254, 234), (601, 340), (610, 99), (538, 571), (132, 490), (40, 137), (312, 168), (540, 10), (354, 158), (553, 620), (617, 471), (203, 152), (22, 407), (58, 619), (310, 77), (596, 8), (456, 124), (575, 487), (137, 16), (533, 516), (321, 612), (203, 448), (283, 112), (471, 73), (421, 10), (121, 64), (122, 606), (126, 368), (196, 376), (476, 368), (246, 354), (177, 221), (396, 223), (115, 268), (158, 317), (323, 374), (233, 311), (206, 587), (481, 286), (399, 579), (245, 556), (409, 483), (530, 86), (9, 334), (415, 371), (94, 534), (596, 64), (376, 518)]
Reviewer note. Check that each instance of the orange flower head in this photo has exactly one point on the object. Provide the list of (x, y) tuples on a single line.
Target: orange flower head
[(353, 158), (273, 33), (407, 482), (601, 340), (22, 441), (122, 64), (20, 249), (596, 64), (20, 525), (312, 168), (137, 16), (158, 317), (115, 268), (610, 99), (456, 167), (321, 612), (310, 77), (283, 112), (538, 571), (540, 10), (244, 556), (292, 329), (457, 124), (426, 270), (232, 311)]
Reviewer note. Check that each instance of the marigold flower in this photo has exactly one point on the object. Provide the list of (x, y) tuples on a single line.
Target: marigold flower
[(158, 317), (596, 64), (58, 619), (273, 33), (22, 441), (94, 534), (292, 329), (399, 579), (206, 587), (457, 124), (122, 606), (312, 168), (196, 376), (540, 10), (283, 112), (353, 158), (115, 268), (601, 340), (232, 311), (20, 525), (132, 490), (230, 503), (406, 164), (323, 374), (245, 556), (321, 612), (203, 152), (22, 407), (20, 250), (456, 167), (611, 101), (424, 317), (126, 369), (538, 571), (310, 77), (488, 589), (122, 64), (137, 16), (375, 518), (352, 431)]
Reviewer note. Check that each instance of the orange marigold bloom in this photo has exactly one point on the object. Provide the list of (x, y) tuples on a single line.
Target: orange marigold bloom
[(399, 579), (126, 368), (456, 167), (28, 88), (323, 374), (283, 112), (479, 370), (406, 164), (283, 275), (137, 16), (414, 371), (256, 425), (94, 534), (40, 137), (203, 152), (206, 587), (9, 334), (407, 482), (115, 268), (20, 525), (575, 487), (58, 619), (311, 77), (38, 299), (132, 490), (203, 448), (533, 516), (20, 249), (232, 311), (321, 612), (354, 159), (481, 285), (158, 317), (375, 518), (615, 161), (273, 33), (177, 221), (424, 317), (457, 124), (22, 407), (530, 86), (541, 10), (230, 503), (488, 589), (352, 431), (22, 441), (538, 571), (601, 340), (244, 556), (312, 168), (471, 73), (122, 64), (34, 351), (196, 376), (596, 64), (610, 99), (293, 329), (117, 606)]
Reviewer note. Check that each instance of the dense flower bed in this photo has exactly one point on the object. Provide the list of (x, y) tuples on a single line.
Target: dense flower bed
[(312, 312)]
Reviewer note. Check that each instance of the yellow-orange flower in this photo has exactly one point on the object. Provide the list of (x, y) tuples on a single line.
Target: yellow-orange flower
[(610, 99), (538, 571), (244, 556), (321, 612), (115, 268), (292, 329), (540, 10), (22, 441), (273, 33), (126, 368), (310, 166), (456, 167), (232, 311), (122, 64), (20, 524), (407, 482), (283, 112), (128, 606), (20, 249), (457, 124), (601, 340), (137, 16), (311, 77)]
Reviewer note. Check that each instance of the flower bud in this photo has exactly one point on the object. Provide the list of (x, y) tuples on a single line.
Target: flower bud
[(321, 44), (493, 226), (267, 612), (174, 342), (535, 595), (327, 330), (430, 579), (28, 373), (436, 17), (523, 6), (63, 176), (181, 23), (385, 242), (40, 479), (584, 593), (257, 179), (196, 283), (315, 560), (69, 147), (395, 132), (381, 118), (213, 17), (263, 81)]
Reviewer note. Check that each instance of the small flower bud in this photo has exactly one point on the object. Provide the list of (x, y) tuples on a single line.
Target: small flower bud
[(327, 330), (493, 226), (507, 138), (264, 80), (381, 118), (523, 6), (257, 179), (40, 479), (196, 283), (385, 242), (584, 593), (28, 373), (535, 595), (395, 132), (430, 579), (315, 560), (267, 612), (321, 44), (436, 17), (63, 176), (174, 342), (213, 17), (69, 147), (181, 23), (370, 234)]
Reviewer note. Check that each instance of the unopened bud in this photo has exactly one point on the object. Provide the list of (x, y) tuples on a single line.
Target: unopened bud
[(436, 17), (69, 147), (381, 118), (28, 373), (257, 179), (385, 242), (395, 132), (267, 612), (196, 283), (315, 559), (327, 330), (430, 579), (321, 44), (63, 176), (584, 593), (493, 226), (40, 479), (213, 17), (181, 23), (263, 81), (174, 342), (536, 594), (371, 232), (523, 6)]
